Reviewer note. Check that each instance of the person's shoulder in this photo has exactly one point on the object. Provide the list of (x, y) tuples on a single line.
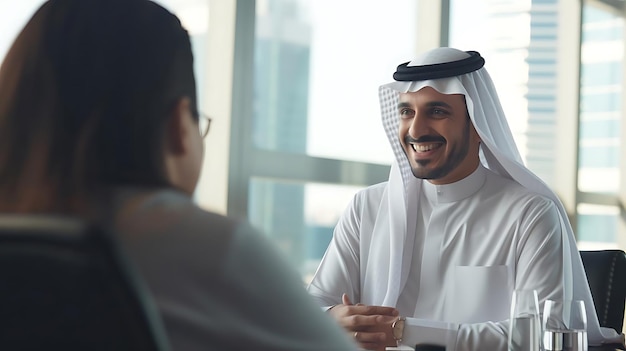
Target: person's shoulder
[(175, 202), (167, 223), (375, 190), (169, 213), (508, 189), (199, 221), (369, 196)]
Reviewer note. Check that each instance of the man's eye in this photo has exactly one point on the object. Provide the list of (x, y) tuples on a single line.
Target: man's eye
[(405, 112), (439, 112)]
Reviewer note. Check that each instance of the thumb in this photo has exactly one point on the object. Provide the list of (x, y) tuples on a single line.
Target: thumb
[(345, 299)]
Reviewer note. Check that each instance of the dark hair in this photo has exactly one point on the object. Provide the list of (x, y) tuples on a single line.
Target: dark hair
[(85, 94)]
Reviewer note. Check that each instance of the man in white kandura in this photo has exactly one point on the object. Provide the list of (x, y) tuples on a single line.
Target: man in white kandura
[(459, 226)]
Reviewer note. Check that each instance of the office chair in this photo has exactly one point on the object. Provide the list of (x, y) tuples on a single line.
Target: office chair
[(606, 274), (64, 285)]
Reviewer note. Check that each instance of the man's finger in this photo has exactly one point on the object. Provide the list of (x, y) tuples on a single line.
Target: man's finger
[(359, 322), (370, 340), (373, 310), (345, 299)]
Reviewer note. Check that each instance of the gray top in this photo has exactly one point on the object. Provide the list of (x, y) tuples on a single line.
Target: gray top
[(219, 284)]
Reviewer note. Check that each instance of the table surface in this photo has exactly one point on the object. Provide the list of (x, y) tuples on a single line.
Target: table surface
[(605, 348), (615, 347)]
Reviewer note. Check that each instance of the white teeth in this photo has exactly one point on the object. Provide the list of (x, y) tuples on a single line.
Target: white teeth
[(423, 148)]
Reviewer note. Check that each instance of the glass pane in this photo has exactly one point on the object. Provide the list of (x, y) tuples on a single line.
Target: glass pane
[(600, 100), (298, 217), (521, 56), (597, 227), (318, 65), (13, 17), (194, 16), (192, 13)]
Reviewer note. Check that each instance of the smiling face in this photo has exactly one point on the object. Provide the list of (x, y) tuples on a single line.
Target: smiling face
[(437, 136)]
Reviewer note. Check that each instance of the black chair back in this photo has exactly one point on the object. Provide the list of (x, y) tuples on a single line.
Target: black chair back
[(65, 286), (606, 273)]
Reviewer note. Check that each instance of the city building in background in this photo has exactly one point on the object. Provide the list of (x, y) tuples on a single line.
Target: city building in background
[(601, 91), (281, 97), (522, 57), (292, 86)]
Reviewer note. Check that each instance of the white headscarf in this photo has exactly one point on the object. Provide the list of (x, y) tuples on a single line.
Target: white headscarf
[(498, 152)]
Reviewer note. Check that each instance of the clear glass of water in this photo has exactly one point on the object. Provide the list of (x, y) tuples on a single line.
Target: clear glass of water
[(525, 325), (564, 325)]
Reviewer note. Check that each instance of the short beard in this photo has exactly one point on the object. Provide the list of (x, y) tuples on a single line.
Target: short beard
[(457, 155)]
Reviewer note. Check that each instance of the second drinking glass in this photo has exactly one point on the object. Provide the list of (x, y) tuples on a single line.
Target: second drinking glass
[(565, 326)]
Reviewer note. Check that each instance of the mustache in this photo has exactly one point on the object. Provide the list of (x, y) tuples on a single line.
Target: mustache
[(424, 139)]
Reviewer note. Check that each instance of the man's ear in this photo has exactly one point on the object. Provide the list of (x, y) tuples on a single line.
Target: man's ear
[(178, 127), (474, 131)]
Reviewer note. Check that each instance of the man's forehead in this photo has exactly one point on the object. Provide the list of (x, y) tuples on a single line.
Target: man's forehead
[(430, 94)]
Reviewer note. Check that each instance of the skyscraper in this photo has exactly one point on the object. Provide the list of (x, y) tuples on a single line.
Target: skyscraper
[(281, 68)]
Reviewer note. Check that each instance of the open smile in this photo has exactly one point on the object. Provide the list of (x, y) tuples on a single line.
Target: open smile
[(425, 147)]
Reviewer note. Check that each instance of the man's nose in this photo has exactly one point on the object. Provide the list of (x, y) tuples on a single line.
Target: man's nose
[(419, 126)]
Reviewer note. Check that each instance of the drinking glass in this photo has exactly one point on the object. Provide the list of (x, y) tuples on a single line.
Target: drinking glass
[(565, 325), (525, 325)]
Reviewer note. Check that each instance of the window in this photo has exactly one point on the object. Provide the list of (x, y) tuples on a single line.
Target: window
[(299, 217), (598, 226), (600, 141), (13, 17), (316, 78), (312, 135)]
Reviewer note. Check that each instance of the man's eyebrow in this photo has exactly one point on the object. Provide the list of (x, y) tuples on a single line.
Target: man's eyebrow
[(402, 105), (438, 104)]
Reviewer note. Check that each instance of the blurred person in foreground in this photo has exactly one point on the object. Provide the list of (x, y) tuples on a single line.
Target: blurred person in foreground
[(99, 120), (460, 224)]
